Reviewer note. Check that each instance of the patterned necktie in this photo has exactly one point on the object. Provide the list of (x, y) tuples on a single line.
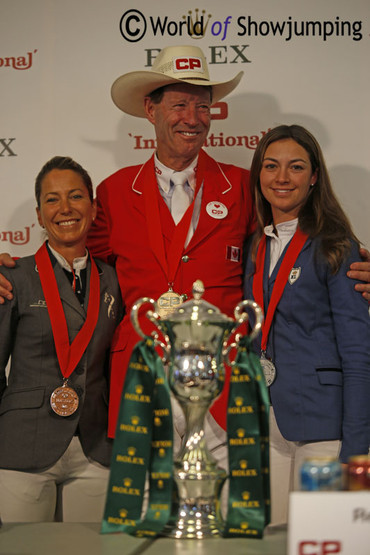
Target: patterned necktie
[(180, 199)]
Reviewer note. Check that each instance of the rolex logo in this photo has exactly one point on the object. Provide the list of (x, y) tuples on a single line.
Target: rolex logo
[(131, 451), (127, 482), (197, 23), (139, 389), (240, 408), (135, 420), (123, 513), (245, 495), (244, 525), (240, 432), (243, 470)]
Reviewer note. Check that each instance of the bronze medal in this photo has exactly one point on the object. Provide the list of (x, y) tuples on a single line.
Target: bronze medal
[(64, 400), (167, 303), (269, 370)]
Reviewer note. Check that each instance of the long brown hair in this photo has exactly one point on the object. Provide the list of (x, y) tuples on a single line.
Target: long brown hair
[(321, 214)]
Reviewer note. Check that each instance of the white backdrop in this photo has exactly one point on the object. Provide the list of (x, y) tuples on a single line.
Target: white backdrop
[(58, 60)]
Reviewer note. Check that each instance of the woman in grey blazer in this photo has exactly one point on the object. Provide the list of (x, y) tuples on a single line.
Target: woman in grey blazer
[(54, 450)]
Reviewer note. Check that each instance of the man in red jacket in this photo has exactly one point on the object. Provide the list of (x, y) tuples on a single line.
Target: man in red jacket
[(159, 248)]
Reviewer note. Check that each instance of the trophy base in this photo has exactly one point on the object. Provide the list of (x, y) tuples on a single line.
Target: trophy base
[(196, 510), (195, 519)]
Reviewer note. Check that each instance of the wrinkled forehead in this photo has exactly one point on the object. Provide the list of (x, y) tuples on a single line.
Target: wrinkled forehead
[(198, 91)]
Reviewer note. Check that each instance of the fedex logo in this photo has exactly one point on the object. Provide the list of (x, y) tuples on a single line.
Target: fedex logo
[(188, 64)]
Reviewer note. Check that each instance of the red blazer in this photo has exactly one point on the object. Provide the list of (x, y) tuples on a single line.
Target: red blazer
[(120, 235)]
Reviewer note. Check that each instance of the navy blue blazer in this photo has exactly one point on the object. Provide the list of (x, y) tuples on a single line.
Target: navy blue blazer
[(320, 344)]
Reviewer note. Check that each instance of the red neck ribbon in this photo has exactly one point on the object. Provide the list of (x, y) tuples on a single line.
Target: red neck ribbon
[(295, 247), (68, 354)]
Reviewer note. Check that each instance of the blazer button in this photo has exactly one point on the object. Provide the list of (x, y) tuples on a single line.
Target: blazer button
[(79, 370), (185, 258)]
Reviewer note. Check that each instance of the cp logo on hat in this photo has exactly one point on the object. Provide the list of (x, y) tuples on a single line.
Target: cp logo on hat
[(181, 64)]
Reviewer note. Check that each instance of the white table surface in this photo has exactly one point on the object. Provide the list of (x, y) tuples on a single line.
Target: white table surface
[(56, 538)]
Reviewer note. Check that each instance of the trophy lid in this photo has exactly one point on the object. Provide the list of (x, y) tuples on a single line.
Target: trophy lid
[(197, 309)]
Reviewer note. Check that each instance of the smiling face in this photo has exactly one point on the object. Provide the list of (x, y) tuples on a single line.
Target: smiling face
[(181, 119), (285, 178), (66, 212)]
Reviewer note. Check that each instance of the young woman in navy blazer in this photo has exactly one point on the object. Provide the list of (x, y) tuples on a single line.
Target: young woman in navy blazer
[(319, 339)]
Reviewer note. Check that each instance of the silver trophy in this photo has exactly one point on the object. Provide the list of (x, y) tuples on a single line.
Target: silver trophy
[(196, 345)]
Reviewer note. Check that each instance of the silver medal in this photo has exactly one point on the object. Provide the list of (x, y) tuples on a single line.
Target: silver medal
[(268, 369)]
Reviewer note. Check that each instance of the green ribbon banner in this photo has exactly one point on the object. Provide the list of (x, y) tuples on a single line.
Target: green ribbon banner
[(143, 446), (143, 449), (248, 445)]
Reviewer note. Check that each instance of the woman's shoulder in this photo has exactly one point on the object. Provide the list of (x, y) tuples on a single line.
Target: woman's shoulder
[(22, 265), (351, 254)]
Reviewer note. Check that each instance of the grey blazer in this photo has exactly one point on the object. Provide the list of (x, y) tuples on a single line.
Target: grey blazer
[(32, 436)]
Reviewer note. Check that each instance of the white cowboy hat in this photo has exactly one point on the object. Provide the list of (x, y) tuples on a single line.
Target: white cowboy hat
[(173, 65)]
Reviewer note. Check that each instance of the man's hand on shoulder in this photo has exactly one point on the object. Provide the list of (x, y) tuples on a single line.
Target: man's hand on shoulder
[(5, 285), (361, 271)]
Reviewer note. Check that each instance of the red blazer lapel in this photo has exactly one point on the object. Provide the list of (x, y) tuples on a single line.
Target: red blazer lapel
[(216, 189)]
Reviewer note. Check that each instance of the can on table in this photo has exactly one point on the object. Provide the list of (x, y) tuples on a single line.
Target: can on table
[(321, 474), (359, 472)]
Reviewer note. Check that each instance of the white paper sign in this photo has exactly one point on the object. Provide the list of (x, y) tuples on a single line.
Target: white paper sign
[(323, 523)]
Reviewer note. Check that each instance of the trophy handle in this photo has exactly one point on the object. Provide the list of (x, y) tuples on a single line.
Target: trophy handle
[(242, 316), (154, 317)]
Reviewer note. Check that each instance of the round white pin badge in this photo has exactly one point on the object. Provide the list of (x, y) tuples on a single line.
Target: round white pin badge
[(216, 210)]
